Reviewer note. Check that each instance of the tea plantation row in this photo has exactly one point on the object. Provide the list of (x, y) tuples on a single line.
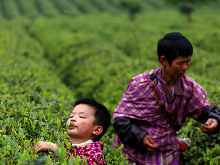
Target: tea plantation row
[(11, 9), (116, 50), (106, 52), (34, 104), (95, 56)]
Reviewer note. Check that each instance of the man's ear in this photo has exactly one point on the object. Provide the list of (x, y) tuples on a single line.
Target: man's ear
[(163, 60), (97, 130)]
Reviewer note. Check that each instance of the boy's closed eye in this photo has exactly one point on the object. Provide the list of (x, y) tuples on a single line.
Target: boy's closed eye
[(79, 117)]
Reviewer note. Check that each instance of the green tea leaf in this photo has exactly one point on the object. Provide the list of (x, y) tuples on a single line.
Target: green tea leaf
[(40, 160), (71, 125), (8, 147), (58, 122), (6, 141), (21, 131), (2, 149)]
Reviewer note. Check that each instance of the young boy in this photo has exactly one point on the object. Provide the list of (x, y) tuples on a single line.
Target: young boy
[(87, 123)]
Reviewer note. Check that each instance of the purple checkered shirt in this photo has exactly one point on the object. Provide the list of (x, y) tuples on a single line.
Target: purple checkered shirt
[(139, 102)]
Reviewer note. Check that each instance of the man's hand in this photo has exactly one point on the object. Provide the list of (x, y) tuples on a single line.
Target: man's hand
[(209, 126), (149, 144), (44, 146)]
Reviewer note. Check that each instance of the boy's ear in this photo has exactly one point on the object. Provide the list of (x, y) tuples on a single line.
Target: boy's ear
[(97, 130)]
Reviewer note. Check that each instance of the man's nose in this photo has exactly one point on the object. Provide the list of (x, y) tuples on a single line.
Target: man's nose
[(185, 66)]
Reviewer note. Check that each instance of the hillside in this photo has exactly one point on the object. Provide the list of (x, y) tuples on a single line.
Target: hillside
[(11, 9), (54, 52)]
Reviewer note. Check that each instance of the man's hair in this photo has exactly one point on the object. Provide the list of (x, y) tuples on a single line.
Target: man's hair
[(102, 115), (174, 45)]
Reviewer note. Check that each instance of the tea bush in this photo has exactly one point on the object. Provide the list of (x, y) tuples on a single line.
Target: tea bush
[(119, 53), (205, 148), (95, 56), (34, 106)]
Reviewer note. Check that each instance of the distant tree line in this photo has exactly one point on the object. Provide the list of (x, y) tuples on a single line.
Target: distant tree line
[(185, 6)]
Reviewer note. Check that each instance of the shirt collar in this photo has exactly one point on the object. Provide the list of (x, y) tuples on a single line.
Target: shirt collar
[(83, 144)]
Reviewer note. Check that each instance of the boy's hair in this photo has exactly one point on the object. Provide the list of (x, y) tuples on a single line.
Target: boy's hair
[(174, 45), (102, 116)]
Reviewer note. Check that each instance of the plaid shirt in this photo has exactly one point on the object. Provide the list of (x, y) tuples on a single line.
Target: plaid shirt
[(92, 152), (139, 102)]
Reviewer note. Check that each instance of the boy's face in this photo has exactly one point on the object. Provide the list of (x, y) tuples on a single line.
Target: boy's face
[(82, 117), (178, 67)]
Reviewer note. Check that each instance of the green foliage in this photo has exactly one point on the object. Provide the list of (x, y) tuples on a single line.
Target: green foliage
[(65, 7), (31, 102), (187, 6), (185, 9), (94, 54), (133, 7), (204, 149), (46, 8), (113, 155), (27, 8), (190, 1), (34, 105), (10, 8), (51, 8), (84, 6)]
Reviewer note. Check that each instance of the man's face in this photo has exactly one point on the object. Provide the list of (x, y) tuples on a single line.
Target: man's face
[(178, 67)]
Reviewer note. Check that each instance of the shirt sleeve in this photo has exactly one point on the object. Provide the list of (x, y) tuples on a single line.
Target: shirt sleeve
[(197, 101), (134, 108), (128, 132)]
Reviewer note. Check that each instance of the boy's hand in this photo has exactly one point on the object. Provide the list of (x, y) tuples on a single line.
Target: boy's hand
[(44, 146)]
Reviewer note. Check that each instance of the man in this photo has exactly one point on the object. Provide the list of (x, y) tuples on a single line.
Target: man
[(140, 125)]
